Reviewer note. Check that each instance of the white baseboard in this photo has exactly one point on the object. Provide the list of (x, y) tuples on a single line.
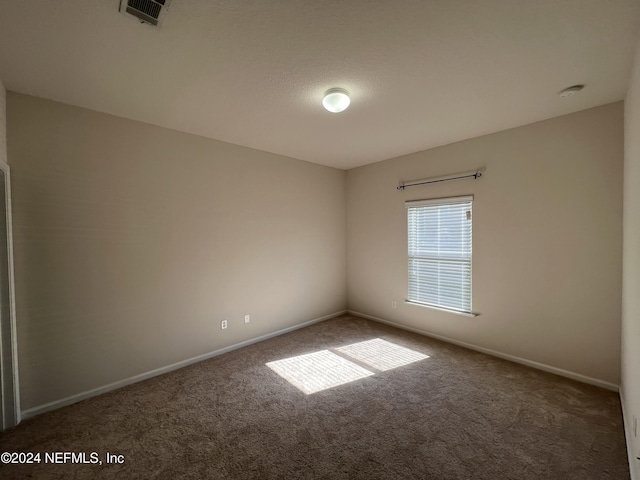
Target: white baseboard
[(523, 361), (31, 412), (628, 433)]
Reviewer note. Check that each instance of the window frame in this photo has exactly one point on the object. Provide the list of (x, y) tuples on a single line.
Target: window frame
[(441, 202)]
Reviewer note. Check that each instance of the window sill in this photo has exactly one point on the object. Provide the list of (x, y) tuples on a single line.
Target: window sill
[(457, 312)]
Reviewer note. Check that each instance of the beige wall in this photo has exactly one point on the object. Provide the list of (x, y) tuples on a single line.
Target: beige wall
[(630, 387), (132, 243), (547, 239)]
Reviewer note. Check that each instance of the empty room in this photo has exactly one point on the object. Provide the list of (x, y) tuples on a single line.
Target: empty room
[(320, 240)]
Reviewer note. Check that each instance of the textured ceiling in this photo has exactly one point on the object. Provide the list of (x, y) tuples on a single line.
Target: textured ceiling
[(252, 72)]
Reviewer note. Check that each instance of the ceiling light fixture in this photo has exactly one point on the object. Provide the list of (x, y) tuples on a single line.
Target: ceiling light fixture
[(336, 100), (567, 92)]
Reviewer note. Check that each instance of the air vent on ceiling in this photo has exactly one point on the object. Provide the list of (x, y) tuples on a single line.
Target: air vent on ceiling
[(147, 11)]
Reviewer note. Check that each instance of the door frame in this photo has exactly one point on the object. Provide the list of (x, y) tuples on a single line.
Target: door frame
[(10, 394)]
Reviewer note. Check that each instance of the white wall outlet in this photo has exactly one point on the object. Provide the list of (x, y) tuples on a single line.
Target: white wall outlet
[(223, 324), (393, 304), (247, 318)]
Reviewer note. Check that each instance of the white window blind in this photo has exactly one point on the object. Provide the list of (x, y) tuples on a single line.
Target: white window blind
[(440, 252)]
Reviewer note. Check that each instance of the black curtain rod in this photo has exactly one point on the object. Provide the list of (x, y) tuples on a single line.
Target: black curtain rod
[(475, 175)]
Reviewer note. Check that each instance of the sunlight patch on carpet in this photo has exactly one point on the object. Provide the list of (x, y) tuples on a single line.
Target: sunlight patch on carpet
[(318, 371), (381, 355)]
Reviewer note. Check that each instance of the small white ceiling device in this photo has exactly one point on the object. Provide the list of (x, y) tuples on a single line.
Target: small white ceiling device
[(569, 91)]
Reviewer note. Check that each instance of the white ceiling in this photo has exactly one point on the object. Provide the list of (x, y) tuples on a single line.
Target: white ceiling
[(421, 73)]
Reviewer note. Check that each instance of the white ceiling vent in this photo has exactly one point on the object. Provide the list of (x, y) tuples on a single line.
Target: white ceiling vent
[(146, 11)]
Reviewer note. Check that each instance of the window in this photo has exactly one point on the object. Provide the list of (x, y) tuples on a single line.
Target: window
[(440, 253)]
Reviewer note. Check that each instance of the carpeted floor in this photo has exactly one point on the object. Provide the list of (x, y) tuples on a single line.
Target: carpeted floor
[(457, 415)]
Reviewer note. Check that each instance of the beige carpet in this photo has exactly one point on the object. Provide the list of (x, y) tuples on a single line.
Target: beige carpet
[(454, 415)]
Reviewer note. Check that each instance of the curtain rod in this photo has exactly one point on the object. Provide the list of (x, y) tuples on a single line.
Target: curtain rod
[(475, 174)]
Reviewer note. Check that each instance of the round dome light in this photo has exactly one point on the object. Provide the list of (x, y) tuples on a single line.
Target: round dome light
[(336, 100)]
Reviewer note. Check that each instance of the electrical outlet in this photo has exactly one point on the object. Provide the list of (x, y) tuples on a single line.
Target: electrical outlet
[(393, 304), (247, 318), (223, 324)]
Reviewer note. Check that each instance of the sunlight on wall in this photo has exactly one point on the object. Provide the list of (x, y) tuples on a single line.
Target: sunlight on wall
[(381, 355), (314, 372), (318, 371)]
